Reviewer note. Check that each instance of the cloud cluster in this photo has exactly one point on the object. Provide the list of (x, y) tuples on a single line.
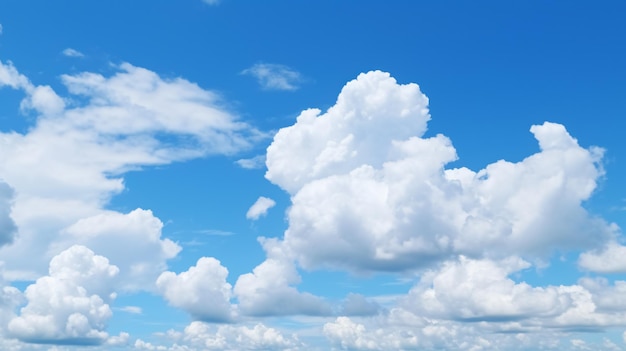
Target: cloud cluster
[(68, 165), (270, 289), (70, 305), (203, 336), (202, 291), (473, 304), (58, 177), (364, 178)]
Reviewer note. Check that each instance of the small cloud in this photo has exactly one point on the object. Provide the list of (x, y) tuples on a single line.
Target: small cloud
[(0, 29), (131, 309), (256, 162), (215, 232), (260, 208), (69, 52), (274, 77), (211, 2)]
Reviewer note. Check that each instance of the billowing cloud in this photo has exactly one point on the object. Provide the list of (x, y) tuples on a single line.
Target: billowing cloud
[(70, 305), (480, 290), (143, 254), (270, 288), (369, 192), (260, 208), (202, 291), (274, 77), (69, 52), (68, 165)]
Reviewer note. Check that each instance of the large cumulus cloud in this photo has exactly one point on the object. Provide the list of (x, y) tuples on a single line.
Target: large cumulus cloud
[(371, 192)]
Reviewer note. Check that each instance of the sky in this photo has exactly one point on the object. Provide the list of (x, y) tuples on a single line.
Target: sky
[(312, 175)]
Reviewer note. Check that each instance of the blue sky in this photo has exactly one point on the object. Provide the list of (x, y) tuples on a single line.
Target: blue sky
[(327, 175)]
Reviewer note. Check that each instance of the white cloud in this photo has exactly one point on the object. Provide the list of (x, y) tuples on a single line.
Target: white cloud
[(69, 52), (227, 337), (260, 208), (70, 162), (9, 76), (211, 2), (256, 162), (118, 340), (202, 336), (143, 255), (202, 291), (348, 335), (610, 259), (132, 309), (70, 304), (370, 193), (269, 289), (274, 77), (475, 290)]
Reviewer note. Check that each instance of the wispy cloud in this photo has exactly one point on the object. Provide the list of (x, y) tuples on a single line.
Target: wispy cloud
[(211, 2), (69, 52), (215, 232), (256, 162), (131, 309), (260, 208), (274, 77)]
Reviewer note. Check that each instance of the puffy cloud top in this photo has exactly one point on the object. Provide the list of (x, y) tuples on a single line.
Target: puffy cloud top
[(363, 178)]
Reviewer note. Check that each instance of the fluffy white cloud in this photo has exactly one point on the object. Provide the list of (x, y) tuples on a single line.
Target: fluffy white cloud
[(142, 255), (269, 289), (610, 259), (202, 336), (9, 76), (202, 291), (274, 77), (70, 162), (69, 52), (370, 193), (477, 290), (70, 304), (226, 337), (260, 208)]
